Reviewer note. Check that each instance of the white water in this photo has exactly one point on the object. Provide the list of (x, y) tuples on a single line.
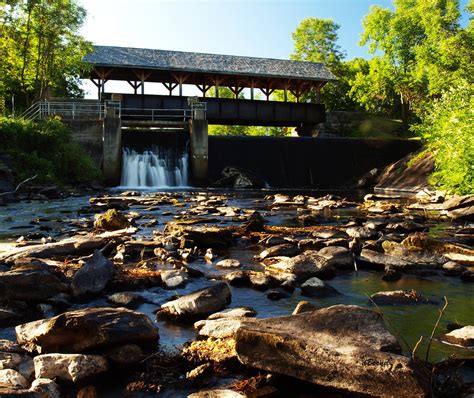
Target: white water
[(153, 169)]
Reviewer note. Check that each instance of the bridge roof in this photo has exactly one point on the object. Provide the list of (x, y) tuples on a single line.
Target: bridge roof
[(159, 63)]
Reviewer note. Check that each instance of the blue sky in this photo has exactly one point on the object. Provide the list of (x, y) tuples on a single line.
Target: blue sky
[(260, 28)]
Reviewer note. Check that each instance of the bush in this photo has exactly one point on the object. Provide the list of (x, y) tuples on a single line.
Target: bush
[(46, 149), (448, 129)]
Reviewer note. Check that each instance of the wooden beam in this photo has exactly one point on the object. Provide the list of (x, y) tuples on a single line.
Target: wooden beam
[(204, 88)]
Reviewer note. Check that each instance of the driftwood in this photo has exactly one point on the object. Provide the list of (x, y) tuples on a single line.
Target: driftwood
[(19, 185), (72, 246)]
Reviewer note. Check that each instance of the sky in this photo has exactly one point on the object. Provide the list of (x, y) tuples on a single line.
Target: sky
[(260, 28)]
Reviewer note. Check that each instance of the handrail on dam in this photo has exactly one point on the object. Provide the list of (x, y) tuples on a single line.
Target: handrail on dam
[(72, 110)]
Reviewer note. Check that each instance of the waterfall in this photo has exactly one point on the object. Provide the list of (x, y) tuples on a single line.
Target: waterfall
[(154, 168)]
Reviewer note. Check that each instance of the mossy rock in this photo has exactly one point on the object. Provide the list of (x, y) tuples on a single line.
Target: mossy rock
[(111, 220)]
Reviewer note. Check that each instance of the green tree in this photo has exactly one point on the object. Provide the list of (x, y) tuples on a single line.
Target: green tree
[(417, 49), (315, 40), (41, 51)]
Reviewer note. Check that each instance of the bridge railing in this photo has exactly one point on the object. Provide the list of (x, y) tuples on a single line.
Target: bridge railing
[(72, 110), (156, 114)]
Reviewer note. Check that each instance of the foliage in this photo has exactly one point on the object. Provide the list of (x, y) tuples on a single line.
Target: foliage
[(45, 148), (419, 49), (40, 50), (447, 128)]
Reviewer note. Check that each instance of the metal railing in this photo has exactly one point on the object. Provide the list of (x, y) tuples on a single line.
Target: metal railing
[(72, 110), (154, 115)]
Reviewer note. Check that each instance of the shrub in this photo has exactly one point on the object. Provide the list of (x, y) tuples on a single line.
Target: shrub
[(448, 129), (46, 149)]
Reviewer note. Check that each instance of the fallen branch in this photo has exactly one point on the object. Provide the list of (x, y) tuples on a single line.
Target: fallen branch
[(441, 312), (19, 185)]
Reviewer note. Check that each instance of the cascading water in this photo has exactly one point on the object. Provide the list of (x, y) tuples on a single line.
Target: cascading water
[(154, 168)]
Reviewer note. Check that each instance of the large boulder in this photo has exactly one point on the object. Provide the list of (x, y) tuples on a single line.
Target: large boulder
[(93, 276), (29, 284), (343, 347), (88, 329), (111, 220), (198, 305), (69, 367)]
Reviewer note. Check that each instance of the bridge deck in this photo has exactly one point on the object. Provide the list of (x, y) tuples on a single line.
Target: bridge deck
[(229, 111)]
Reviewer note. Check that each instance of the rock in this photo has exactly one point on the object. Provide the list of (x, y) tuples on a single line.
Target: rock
[(199, 304), (342, 347), (220, 328), (46, 388), (11, 378), (399, 297), (10, 346), (8, 392), (337, 256), (69, 367), (27, 368), (199, 373), (8, 317), (361, 232), (460, 207), (234, 313), (329, 233), (228, 263), (9, 360), (202, 236), (379, 260), (111, 220), (317, 288), (87, 392), (286, 249), (391, 275), (126, 299), (303, 266), (237, 278), (452, 268), (93, 276), (219, 351), (274, 240), (304, 306), (232, 177), (278, 294), (463, 336), (125, 355), (174, 278), (405, 226), (29, 284), (259, 280), (467, 276), (218, 393), (87, 329)]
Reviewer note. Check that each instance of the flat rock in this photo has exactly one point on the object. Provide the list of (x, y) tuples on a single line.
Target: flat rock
[(338, 256), (69, 367), (303, 266), (317, 288), (343, 347), (11, 378), (399, 297), (10, 360), (202, 236), (199, 304), (126, 299), (87, 329), (234, 313), (228, 263), (220, 328), (93, 276), (174, 278), (304, 306), (46, 388), (463, 336), (285, 249), (29, 284), (381, 260)]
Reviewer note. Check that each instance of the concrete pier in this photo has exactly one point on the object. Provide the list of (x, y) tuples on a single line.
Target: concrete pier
[(112, 150), (199, 152)]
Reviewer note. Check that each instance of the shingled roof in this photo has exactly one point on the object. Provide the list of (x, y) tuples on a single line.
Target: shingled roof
[(190, 62)]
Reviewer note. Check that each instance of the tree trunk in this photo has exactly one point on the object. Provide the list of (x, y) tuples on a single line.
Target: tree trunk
[(405, 111)]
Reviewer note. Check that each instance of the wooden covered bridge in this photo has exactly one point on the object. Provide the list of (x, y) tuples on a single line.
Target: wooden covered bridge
[(175, 69)]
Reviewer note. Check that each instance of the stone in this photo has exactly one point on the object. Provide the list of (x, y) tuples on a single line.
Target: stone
[(315, 287), (8, 317), (329, 233), (304, 306), (27, 368), (463, 336), (202, 236), (344, 347), (285, 249), (87, 329), (10, 346), (237, 278), (399, 297), (451, 268), (93, 277), (228, 263), (199, 304), (260, 280), (220, 328), (460, 207), (46, 388), (10, 360), (126, 299), (174, 278), (218, 393), (361, 232), (111, 220), (391, 275), (338, 256), (29, 284), (199, 372), (378, 260), (234, 313), (125, 355), (69, 367), (216, 350), (13, 379), (303, 266), (278, 294)]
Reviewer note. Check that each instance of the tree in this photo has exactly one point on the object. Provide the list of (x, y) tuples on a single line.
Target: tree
[(315, 40), (413, 42), (41, 51)]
